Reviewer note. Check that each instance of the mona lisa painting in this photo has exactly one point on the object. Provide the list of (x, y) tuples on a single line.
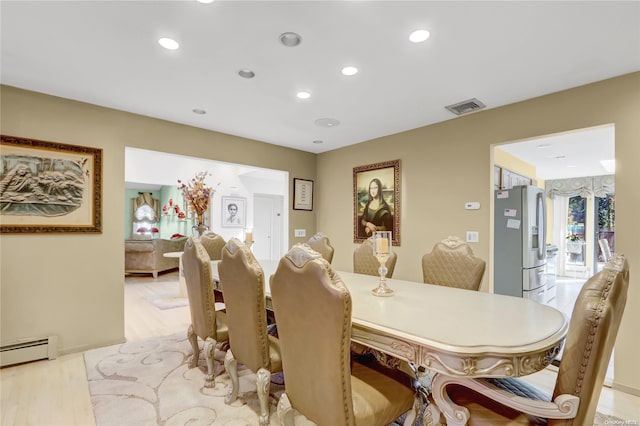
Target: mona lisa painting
[(376, 195)]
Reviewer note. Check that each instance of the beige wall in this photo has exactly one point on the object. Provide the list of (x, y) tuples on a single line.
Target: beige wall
[(446, 164), (72, 286)]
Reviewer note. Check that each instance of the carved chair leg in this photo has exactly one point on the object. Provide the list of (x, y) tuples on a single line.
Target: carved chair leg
[(193, 339), (209, 349), (285, 411), (231, 365), (263, 381), (455, 414)]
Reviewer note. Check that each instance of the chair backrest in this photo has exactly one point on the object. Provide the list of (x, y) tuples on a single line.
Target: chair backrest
[(242, 280), (604, 247), (592, 333), (364, 261), (452, 263), (196, 267), (320, 243), (213, 244), (313, 312)]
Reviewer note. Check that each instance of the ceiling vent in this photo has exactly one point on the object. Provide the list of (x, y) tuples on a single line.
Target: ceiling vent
[(466, 107)]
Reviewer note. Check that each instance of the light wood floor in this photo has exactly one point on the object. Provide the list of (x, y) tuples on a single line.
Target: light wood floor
[(56, 392)]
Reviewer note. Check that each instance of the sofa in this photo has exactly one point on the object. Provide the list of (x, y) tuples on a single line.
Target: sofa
[(147, 256)]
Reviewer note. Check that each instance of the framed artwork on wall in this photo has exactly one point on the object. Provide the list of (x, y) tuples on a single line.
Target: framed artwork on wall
[(376, 199), (49, 187), (302, 194), (234, 212)]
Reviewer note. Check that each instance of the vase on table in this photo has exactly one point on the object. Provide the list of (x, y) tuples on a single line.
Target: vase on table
[(199, 228), (382, 242)]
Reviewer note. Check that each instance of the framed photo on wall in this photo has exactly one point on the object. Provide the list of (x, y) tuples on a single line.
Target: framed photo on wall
[(48, 187), (376, 199), (234, 212), (302, 194)]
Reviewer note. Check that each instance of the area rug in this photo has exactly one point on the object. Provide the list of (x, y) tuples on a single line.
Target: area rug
[(148, 383)]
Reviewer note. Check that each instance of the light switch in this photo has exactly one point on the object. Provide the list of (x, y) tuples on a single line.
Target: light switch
[(300, 232), (472, 205), (472, 237)]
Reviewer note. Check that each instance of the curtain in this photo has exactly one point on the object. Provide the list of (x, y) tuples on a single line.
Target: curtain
[(586, 187), (560, 209)]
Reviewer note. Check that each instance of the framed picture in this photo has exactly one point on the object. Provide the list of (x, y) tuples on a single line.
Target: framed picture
[(302, 194), (376, 198), (48, 187), (234, 212)]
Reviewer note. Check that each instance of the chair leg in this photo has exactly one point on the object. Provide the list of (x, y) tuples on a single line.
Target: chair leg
[(231, 365), (285, 411), (193, 339), (263, 381), (209, 349)]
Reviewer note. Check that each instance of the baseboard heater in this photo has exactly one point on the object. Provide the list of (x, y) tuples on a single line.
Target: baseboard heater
[(29, 350)]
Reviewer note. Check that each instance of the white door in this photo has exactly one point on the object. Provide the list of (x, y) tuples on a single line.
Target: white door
[(267, 226)]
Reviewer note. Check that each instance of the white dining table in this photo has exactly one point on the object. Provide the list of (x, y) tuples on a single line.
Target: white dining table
[(452, 331)]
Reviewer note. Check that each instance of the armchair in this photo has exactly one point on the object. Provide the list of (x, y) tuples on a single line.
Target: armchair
[(242, 281), (313, 309), (320, 243), (451, 263), (206, 323), (592, 333)]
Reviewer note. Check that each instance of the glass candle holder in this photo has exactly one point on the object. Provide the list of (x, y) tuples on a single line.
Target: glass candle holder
[(382, 250), (248, 237)]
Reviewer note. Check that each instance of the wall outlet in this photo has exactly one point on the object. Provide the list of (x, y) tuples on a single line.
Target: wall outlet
[(472, 205), (472, 237), (299, 232)]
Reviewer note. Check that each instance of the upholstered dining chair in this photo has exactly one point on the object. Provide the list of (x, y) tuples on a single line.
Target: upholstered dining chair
[(313, 309), (592, 333), (206, 323), (320, 243), (365, 262), (242, 280), (213, 244), (452, 263)]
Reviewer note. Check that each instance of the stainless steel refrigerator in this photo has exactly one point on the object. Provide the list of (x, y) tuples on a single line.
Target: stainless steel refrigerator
[(519, 243)]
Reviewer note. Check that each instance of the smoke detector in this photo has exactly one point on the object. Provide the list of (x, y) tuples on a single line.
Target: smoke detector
[(466, 107)]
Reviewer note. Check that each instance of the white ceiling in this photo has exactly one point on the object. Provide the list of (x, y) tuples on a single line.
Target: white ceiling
[(106, 53)]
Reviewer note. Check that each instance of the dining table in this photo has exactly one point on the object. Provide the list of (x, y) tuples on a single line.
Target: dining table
[(451, 331)]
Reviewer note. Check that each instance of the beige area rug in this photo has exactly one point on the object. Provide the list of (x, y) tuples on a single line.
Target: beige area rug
[(149, 383)]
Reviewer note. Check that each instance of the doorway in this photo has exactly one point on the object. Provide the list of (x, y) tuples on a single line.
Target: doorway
[(268, 222)]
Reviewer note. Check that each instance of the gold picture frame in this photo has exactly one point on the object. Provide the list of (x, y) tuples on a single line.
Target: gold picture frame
[(386, 216), (49, 187)]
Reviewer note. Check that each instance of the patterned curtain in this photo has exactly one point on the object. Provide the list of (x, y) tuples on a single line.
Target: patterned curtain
[(586, 187)]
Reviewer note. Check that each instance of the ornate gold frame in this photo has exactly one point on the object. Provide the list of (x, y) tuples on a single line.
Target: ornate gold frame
[(59, 190), (389, 174)]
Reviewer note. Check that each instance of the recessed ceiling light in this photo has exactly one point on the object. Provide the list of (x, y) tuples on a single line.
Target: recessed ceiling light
[(318, 141), (543, 145), (246, 73), (290, 39), (560, 157), (326, 122), (419, 36), (168, 43), (199, 111), (349, 71), (206, 1), (303, 95)]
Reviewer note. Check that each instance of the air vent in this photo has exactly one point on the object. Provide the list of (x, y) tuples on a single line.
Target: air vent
[(466, 107)]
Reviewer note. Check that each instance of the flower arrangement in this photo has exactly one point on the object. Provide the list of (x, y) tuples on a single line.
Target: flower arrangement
[(197, 193)]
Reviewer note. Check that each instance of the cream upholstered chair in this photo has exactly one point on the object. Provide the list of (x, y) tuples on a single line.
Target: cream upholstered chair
[(592, 333), (313, 309), (242, 281), (451, 263), (320, 243), (213, 244), (206, 323), (365, 262)]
